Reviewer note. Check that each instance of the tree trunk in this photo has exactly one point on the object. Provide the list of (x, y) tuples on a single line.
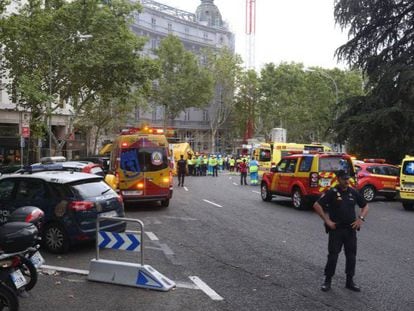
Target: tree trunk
[(213, 140), (95, 144)]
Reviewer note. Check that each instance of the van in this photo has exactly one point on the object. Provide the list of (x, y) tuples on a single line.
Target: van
[(139, 167), (406, 187)]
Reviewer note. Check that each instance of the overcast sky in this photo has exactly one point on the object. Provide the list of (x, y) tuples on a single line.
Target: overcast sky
[(287, 30)]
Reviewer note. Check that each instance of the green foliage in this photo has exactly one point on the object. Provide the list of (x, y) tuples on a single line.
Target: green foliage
[(225, 69), (381, 44), (305, 102), (183, 83), (49, 59)]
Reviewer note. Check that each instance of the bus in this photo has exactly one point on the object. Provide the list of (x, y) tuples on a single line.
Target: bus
[(280, 150), (139, 168)]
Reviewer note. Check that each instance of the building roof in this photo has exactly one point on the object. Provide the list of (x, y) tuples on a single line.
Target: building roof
[(209, 14)]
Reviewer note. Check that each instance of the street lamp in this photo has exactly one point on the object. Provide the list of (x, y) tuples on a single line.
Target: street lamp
[(81, 37)]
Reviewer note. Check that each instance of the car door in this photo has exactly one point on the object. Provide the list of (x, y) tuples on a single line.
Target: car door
[(7, 206), (391, 177), (280, 169), (32, 192), (286, 178)]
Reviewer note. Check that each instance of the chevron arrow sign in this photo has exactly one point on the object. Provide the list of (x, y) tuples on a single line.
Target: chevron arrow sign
[(122, 241)]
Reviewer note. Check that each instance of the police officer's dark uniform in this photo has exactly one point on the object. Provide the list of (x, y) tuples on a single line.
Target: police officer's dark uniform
[(340, 205), (181, 170)]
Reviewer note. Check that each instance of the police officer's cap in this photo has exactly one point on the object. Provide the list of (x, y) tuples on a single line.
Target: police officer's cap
[(342, 174)]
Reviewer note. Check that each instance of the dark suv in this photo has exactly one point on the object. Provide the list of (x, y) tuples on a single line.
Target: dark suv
[(71, 202)]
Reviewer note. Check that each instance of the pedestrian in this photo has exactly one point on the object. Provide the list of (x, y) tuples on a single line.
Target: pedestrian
[(243, 172), (182, 169), (214, 166), (232, 163), (342, 224), (254, 169), (198, 166)]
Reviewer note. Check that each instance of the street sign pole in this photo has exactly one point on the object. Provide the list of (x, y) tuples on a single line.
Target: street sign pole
[(22, 144)]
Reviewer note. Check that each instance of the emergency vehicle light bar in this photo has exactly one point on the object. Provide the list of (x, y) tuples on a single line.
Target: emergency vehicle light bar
[(381, 161)]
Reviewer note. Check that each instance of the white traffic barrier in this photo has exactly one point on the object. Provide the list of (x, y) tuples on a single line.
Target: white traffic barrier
[(125, 273)]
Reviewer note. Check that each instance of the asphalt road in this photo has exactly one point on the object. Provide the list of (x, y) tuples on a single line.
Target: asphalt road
[(255, 255)]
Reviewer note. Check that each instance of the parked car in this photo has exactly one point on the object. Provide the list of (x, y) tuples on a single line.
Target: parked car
[(101, 160), (305, 176), (71, 202), (76, 166), (375, 177)]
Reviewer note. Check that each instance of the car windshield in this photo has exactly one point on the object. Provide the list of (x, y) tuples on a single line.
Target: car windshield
[(264, 155), (332, 164), (148, 159), (408, 168), (90, 189)]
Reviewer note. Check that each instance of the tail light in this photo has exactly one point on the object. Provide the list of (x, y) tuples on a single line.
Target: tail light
[(80, 206), (120, 199), (314, 178), (140, 185), (7, 263), (34, 216)]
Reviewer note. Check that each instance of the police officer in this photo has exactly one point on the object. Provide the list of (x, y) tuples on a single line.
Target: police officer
[(341, 223), (182, 168)]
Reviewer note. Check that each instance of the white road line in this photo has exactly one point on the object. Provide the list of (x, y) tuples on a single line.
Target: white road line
[(63, 269), (205, 288), (186, 285), (212, 203), (230, 178), (256, 192), (152, 236), (185, 188), (235, 184)]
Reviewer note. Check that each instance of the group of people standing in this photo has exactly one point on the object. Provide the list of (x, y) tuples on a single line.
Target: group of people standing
[(201, 165)]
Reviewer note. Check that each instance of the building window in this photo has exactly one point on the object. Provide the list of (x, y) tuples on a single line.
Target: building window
[(187, 31), (153, 44), (187, 116), (205, 35), (205, 115), (154, 114), (169, 27), (153, 22)]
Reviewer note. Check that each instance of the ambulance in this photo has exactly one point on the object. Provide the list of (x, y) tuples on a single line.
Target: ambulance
[(406, 188), (140, 169)]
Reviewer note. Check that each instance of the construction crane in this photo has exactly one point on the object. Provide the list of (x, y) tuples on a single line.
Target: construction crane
[(250, 54), (250, 33)]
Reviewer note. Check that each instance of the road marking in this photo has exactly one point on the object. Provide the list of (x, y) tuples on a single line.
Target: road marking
[(205, 288), (186, 285), (256, 192), (181, 218), (230, 178), (235, 184), (63, 269), (152, 236), (166, 249), (212, 203), (185, 188)]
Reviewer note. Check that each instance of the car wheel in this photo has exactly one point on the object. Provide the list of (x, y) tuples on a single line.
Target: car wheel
[(266, 195), (298, 199), (165, 203), (368, 192), (55, 239), (408, 206)]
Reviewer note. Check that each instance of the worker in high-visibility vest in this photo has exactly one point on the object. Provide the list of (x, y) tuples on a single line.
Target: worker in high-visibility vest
[(198, 166), (254, 169), (220, 163), (213, 165), (191, 164), (232, 163)]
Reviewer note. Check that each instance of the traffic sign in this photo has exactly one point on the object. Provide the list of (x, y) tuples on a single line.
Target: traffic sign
[(25, 132), (122, 241)]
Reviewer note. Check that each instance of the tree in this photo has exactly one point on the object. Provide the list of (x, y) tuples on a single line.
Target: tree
[(247, 97), (225, 68), (48, 63), (183, 83), (304, 101), (381, 43)]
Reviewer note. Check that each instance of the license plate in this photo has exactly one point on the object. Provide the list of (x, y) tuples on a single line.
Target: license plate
[(37, 260), (132, 192), (18, 279), (109, 214), (325, 182)]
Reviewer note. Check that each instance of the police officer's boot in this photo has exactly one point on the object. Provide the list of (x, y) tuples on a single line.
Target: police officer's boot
[(351, 285), (326, 286)]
